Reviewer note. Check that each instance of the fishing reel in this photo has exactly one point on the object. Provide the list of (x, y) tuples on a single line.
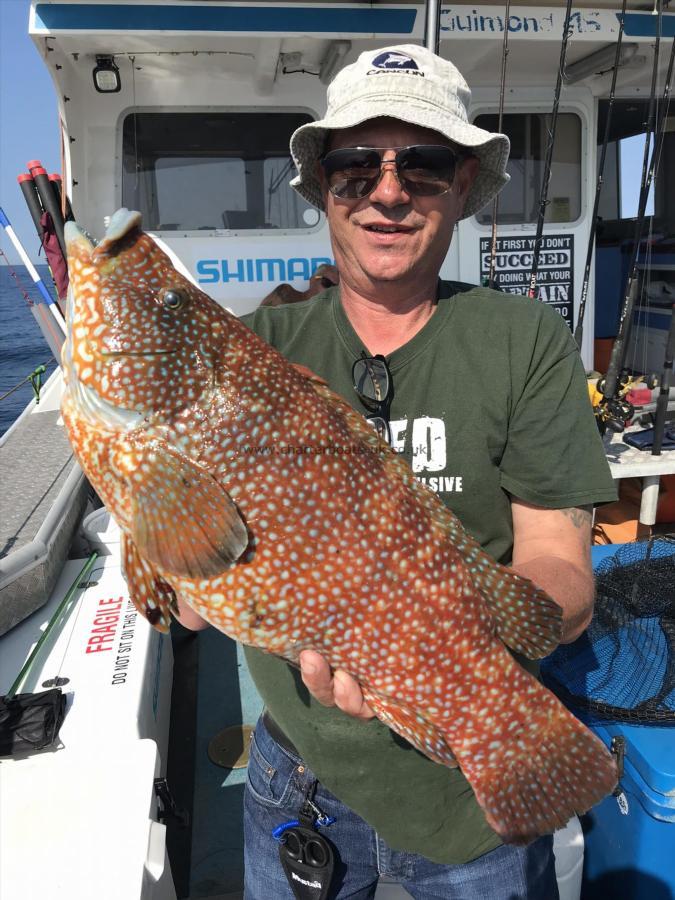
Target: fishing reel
[(614, 413)]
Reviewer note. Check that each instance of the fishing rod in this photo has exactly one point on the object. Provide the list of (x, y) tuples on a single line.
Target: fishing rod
[(32, 198), (432, 26), (47, 314), (39, 283), (46, 231), (543, 198), (579, 331), (495, 202), (664, 389), (52, 226), (48, 198), (61, 198), (611, 411)]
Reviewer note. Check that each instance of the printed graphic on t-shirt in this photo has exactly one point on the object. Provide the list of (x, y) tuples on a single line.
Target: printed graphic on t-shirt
[(425, 439)]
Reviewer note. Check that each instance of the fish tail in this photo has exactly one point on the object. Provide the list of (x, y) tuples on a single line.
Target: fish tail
[(547, 768)]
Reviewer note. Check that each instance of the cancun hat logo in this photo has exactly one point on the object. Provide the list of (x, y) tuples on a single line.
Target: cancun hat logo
[(391, 61)]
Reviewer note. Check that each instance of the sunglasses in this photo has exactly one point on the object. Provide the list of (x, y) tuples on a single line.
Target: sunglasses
[(424, 170), (373, 383)]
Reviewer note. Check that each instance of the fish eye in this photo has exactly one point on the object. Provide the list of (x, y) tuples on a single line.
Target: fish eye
[(174, 298)]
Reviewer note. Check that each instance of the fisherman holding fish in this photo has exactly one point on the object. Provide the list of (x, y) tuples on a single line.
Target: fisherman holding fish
[(253, 495), (395, 165)]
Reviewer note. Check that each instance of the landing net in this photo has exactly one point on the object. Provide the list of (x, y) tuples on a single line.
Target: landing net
[(623, 666)]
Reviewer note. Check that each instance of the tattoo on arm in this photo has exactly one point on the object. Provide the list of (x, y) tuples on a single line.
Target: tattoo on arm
[(580, 515)]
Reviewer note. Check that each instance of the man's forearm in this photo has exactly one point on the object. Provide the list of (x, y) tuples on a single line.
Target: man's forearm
[(571, 588)]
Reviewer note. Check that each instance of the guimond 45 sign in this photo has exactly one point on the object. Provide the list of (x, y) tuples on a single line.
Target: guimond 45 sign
[(513, 264)]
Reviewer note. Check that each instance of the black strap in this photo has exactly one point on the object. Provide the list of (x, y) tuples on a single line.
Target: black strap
[(306, 856)]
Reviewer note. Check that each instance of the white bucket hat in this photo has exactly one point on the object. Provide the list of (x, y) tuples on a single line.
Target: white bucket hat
[(414, 85)]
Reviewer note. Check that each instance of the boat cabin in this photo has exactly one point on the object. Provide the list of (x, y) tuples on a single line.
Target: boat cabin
[(184, 111)]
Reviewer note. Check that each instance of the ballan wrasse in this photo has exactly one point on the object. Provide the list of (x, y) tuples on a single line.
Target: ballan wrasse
[(189, 426)]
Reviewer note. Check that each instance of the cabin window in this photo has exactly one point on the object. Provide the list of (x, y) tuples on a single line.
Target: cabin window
[(202, 171), (528, 132), (623, 165)]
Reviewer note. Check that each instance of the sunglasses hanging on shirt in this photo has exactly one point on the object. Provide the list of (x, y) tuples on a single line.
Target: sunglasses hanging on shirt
[(373, 383), (423, 170)]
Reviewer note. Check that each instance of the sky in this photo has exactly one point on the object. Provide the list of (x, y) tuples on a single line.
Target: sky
[(28, 121), (29, 127)]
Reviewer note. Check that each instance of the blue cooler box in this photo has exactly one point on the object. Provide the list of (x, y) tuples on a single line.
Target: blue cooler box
[(630, 838)]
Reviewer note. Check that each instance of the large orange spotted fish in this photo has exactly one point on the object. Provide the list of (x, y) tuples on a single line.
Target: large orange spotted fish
[(189, 427)]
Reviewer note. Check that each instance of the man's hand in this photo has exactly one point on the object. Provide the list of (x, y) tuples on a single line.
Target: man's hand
[(333, 688)]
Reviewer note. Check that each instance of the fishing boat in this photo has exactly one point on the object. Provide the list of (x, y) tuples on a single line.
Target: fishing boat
[(183, 109)]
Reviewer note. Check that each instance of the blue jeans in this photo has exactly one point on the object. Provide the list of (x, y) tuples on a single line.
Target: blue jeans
[(276, 786)]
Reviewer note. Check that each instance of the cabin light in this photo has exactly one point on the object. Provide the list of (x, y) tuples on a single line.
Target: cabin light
[(332, 60), (106, 75), (599, 62)]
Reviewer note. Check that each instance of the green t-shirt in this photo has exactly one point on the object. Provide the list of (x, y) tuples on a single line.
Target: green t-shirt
[(490, 400)]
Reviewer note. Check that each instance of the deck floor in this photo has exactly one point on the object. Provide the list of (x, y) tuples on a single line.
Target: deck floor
[(28, 491), (226, 697), (212, 689)]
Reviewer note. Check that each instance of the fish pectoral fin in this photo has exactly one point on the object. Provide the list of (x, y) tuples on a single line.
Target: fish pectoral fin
[(183, 521), (304, 370), (150, 594), (407, 722), (526, 618)]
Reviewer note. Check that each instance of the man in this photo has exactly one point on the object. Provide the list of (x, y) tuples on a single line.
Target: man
[(489, 407)]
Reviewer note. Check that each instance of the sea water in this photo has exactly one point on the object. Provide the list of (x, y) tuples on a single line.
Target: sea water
[(22, 347)]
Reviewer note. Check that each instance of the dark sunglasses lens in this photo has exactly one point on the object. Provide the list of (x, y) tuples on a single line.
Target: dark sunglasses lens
[(427, 171), (351, 174), (424, 171), (381, 426), (371, 379)]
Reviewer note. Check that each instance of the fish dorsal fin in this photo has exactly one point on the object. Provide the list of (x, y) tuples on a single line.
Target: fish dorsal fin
[(183, 521), (312, 376), (153, 597), (354, 420)]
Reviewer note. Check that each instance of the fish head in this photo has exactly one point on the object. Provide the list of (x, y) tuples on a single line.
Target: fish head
[(141, 338)]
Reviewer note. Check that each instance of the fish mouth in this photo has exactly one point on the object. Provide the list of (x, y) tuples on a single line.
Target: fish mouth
[(73, 232), (122, 223)]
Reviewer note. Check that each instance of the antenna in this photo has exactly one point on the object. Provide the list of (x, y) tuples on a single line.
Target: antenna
[(432, 27), (543, 200)]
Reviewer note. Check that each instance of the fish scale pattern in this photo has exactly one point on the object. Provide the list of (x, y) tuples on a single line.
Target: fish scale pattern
[(261, 499)]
